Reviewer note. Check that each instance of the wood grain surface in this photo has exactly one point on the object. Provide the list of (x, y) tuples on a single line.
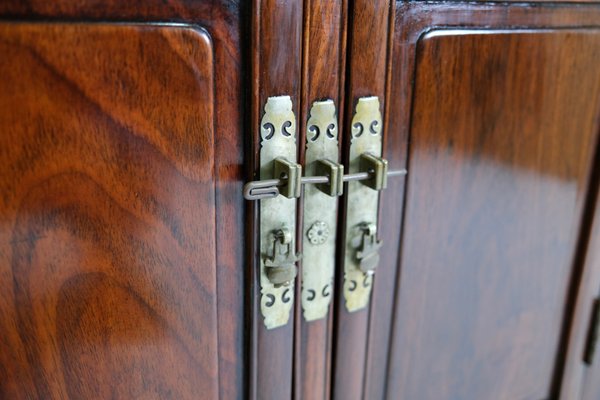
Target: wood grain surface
[(107, 243), (323, 73), (411, 22), (226, 23), (276, 71), (355, 333), (502, 141)]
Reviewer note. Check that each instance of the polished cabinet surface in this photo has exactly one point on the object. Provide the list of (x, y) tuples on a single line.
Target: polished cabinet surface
[(502, 139), (108, 233), (138, 259)]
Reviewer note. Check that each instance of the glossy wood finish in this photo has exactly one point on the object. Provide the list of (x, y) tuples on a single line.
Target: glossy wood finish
[(276, 70), (108, 235), (356, 334), (323, 73), (502, 140), (223, 21), (412, 20)]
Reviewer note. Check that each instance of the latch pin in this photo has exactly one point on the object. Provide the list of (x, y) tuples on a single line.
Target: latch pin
[(267, 189)]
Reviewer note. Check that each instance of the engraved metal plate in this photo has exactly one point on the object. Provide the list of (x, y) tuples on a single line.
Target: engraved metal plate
[(278, 214), (362, 202), (320, 213)]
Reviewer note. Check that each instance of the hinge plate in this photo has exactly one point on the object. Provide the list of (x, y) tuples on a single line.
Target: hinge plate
[(320, 210), (362, 200), (278, 214)]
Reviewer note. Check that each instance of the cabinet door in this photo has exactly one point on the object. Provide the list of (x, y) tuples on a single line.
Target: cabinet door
[(108, 241), (355, 333), (501, 126), (322, 79)]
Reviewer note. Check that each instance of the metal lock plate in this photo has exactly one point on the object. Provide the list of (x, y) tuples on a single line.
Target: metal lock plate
[(360, 243), (320, 210), (278, 214)]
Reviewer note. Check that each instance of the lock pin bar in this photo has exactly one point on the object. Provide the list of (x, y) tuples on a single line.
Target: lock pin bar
[(269, 188)]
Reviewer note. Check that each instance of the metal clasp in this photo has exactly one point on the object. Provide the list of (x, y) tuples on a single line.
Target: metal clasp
[(368, 252), (361, 253), (330, 179), (335, 174), (320, 209), (290, 174), (377, 168), (280, 174), (281, 265)]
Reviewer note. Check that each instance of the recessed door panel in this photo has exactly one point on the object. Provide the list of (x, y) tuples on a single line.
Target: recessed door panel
[(107, 240), (503, 132)]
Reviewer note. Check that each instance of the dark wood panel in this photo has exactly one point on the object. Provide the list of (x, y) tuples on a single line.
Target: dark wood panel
[(413, 20), (276, 70), (324, 52), (108, 235), (225, 22), (358, 372), (502, 140)]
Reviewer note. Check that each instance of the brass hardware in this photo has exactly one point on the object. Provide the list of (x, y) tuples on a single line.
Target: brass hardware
[(281, 265), (593, 333), (368, 252), (278, 213), (280, 174), (335, 172), (290, 173), (361, 245), (269, 188), (377, 167), (320, 209), (318, 233)]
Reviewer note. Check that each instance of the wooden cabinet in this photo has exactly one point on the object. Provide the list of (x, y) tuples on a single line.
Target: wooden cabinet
[(502, 141), (112, 286), (499, 166), (130, 263), (121, 161)]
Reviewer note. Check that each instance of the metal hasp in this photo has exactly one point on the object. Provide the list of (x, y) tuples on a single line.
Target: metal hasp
[(278, 214), (368, 251), (320, 210), (281, 265), (361, 252)]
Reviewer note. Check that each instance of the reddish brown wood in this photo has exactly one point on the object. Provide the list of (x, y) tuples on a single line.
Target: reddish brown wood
[(276, 63), (412, 19), (368, 37), (487, 212), (222, 21), (108, 242), (323, 73)]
